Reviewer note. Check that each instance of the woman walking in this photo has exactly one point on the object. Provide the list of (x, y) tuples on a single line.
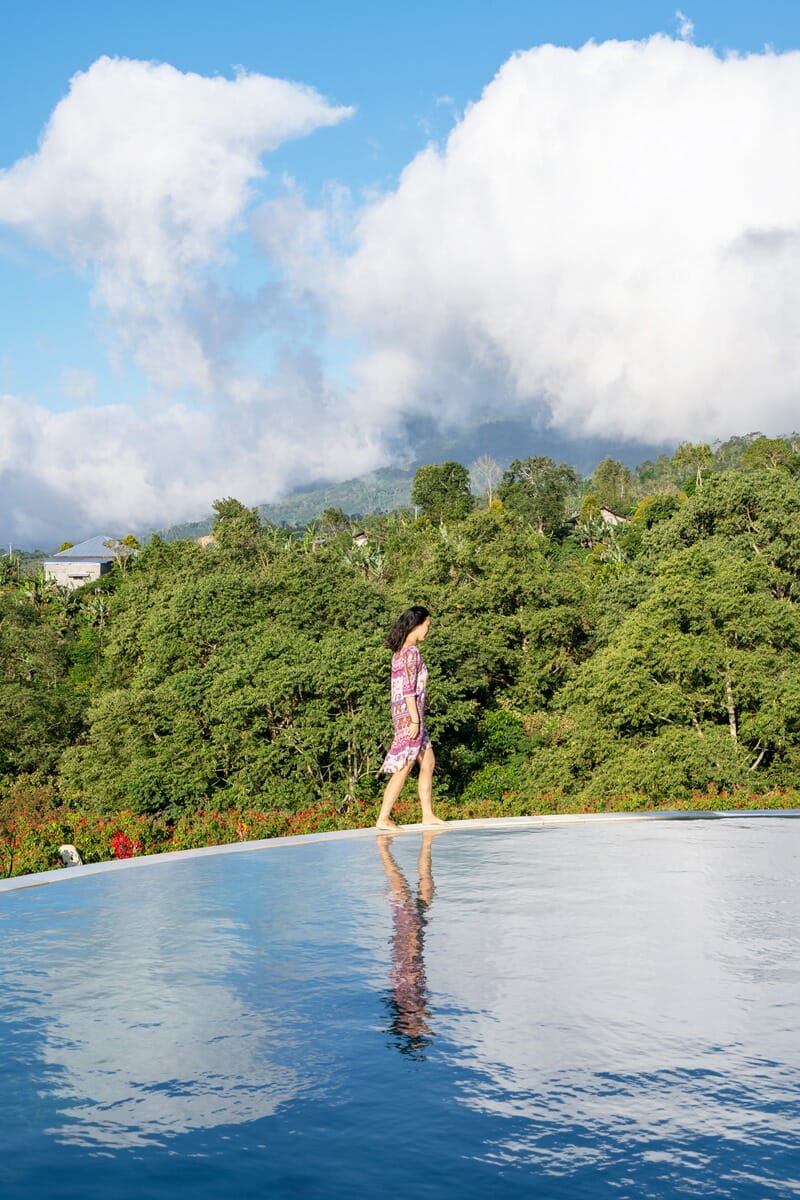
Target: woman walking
[(411, 742)]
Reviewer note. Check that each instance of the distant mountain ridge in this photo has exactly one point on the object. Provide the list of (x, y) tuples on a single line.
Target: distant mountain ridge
[(505, 440), (377, 491)]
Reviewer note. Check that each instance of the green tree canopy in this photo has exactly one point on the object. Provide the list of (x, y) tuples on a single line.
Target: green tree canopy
[(236, 529), (39, 713), (612, 485), (657, 475), (333, 520), (759, 509), (442, 491), (696, 457), (701, 682), (770, 454), (653, 658), (728, 455), (536, 490), (652, 509), (235, 680)]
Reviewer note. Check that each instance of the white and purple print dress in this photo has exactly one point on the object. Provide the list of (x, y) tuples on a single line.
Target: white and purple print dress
[(409, 678)]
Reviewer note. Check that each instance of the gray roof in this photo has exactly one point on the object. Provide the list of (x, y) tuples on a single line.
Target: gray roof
[(94, 550)]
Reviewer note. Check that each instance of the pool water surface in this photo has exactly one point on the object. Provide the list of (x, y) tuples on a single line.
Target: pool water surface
[(562, 1011)]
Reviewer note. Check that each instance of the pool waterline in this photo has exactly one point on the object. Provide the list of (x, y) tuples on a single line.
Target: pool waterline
[(66, 874)]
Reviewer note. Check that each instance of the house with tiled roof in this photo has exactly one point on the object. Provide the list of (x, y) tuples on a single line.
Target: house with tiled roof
[(81, 564)]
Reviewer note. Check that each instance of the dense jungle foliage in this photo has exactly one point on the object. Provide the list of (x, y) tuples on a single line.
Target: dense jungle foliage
[(569, 659)]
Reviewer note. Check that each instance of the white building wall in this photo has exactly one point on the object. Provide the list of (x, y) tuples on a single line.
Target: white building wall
[(73, 575)]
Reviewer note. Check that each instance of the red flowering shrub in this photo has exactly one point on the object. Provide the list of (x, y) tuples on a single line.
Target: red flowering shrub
[(123, 847)]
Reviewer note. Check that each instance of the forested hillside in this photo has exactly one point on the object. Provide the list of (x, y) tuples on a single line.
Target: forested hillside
[(578, 660), (376, 492)]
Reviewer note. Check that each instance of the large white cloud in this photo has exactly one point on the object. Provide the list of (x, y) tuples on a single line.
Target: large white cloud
[(610, 236), (142, 174)]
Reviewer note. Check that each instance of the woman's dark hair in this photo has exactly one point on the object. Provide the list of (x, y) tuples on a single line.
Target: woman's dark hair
[(402, 627)]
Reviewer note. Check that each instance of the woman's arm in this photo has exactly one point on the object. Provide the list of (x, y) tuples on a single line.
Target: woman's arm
[(410, 672)]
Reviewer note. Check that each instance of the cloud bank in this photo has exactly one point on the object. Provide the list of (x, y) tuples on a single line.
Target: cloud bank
[(608, 240), (142, 175), (608, 243), (142, 178), (112, 468)]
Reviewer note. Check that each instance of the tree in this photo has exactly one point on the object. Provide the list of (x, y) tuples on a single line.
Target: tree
[(697, 685), (536, 490), (652, 509), (697, 457), (769, 454), (236, 529), (510, 622), (258, 679), (728, 455), (485, 474), (9, 569), (442, 491), (38, 713), (124, 550), (758, 509), (659, 475), (333, 520), (612, 484)]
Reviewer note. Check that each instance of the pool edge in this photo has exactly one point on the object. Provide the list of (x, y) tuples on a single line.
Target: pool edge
[(66, 874)]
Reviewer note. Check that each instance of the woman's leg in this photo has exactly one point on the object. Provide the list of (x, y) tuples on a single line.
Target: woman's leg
[(393, 789), (427, 762), (425, 888)]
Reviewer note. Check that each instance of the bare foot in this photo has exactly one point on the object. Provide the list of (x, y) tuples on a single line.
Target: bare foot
[(387, 826), (432, 820)]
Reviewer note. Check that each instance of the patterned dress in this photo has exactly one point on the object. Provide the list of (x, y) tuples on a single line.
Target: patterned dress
[(409, 678)]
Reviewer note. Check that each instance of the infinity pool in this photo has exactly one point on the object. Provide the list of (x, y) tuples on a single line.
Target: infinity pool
[(561, 1011)]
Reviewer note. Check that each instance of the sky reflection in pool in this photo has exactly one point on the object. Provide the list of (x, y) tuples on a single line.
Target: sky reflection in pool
[(567, 1011)]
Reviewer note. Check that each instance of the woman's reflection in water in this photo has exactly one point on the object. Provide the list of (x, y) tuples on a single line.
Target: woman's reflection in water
[(408, 998)]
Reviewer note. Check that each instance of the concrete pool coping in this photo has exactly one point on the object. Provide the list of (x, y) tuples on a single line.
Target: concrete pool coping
[(66, 874)]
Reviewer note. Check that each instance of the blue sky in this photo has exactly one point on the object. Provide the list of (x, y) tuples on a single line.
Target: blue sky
[(302, 301)]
